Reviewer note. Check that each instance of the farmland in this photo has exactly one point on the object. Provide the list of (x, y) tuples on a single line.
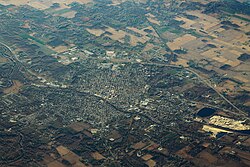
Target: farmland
[(124, 83)]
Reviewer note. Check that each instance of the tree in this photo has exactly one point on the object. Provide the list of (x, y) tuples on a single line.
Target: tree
[(55, 5)]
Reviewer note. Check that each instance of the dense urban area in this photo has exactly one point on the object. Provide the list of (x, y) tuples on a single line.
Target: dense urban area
[(87, 83)]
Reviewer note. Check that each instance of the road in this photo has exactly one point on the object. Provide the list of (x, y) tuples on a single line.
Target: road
[(19, 64), (205, 81)]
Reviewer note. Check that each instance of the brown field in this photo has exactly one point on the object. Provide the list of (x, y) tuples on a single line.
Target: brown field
[(177, 43), (184, 152), (118, 35), (211, 53), (148, 47), (188, 23), (242, 67), (239, 22), (230, 44), (150, 15), (202, 16), (153, 31), (139, 145), (59, 49), (69, 15), (207, 157), (182, 62), (153, 20), (96, 32), (246, 142), (204, 2), (204, 22), (68, 155), (236, 42), (216, 28), (118, 2), (97, 156), (220, 29), (47, 159), (42, 4), (62, 150), (15, 88), (134, 39), (72, 158), (208, 25), (245, 16), (229, 35), (34, 3), (151, 163), (26, 25), (194, 45), (64, 60), (243, 155), (227, 86), (55, 164), (147, 157), (246, 88), (245, 28), (238, 53), (185, 87), (233, 63), (204, 25), (143, 33), (240, 78), (79, 126), (3, 60), (223, 60), (247, 103), (242, 42)]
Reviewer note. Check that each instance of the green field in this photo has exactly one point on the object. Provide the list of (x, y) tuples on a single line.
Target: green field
[(27, 36)]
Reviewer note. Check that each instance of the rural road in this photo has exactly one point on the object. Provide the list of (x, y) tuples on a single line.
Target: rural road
[(146, 63), (191, 71)]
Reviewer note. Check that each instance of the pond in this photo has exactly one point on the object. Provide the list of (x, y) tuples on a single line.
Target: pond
[(205, 112)]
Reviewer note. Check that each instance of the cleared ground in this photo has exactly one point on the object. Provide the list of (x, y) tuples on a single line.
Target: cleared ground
[(42, 4), (14, 88)]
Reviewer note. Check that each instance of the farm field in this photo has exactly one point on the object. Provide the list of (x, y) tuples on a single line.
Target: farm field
[(44, 4), (14, 88), (157, 83)]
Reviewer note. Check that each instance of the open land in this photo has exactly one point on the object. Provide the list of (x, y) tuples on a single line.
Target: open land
[(124, 83)]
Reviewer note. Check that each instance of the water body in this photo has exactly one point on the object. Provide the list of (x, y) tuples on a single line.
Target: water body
[(247, 132), (220, 134), (205, 112)]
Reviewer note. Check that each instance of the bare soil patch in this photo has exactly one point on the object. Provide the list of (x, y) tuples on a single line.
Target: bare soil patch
[(15, 88), (177, 43)]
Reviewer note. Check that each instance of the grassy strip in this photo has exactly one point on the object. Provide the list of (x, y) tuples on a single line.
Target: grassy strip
[(242, 18), (27, 36), (62, 11)]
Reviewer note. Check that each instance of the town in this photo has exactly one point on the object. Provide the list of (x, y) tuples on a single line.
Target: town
[(124, 83)]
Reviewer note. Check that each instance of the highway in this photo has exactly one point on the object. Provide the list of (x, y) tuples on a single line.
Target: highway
[(205, 81)]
